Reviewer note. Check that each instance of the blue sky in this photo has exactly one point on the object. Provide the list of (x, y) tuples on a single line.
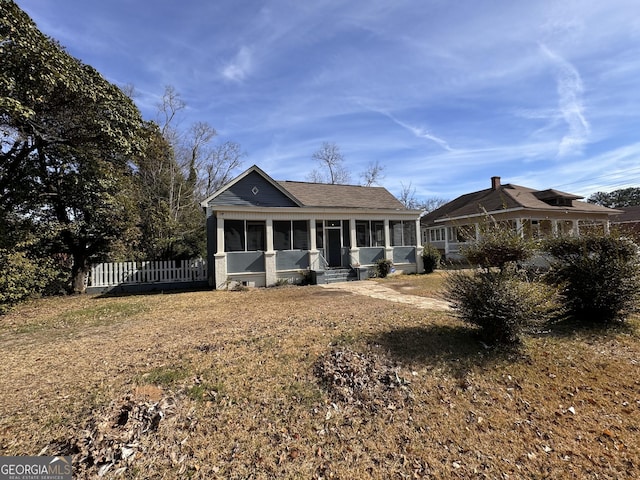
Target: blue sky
[(443, 93)]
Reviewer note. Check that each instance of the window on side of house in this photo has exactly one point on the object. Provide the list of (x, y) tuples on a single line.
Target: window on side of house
[(437, 235), (462, 234)]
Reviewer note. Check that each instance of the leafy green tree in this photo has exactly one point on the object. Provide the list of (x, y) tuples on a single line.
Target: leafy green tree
[(67, 139), (625, 197)]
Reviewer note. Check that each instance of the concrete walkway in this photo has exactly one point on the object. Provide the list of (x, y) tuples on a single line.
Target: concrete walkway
[(375, 290)]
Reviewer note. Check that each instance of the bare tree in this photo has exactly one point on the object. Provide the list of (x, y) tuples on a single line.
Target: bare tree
[(373, 174), (220, 165), (408, 196), (429, 204), (332, 169), (408, 199)]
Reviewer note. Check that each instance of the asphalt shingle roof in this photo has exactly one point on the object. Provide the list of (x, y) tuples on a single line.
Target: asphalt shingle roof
[(509, 196), (349, 196)]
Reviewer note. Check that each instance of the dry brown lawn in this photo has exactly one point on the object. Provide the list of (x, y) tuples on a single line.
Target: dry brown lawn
[(225, 385)]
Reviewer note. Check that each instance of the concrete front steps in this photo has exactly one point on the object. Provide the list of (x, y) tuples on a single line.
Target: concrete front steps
[(334, 275)]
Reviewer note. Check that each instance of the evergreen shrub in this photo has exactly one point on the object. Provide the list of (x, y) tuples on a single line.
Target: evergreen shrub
[(598, 276)]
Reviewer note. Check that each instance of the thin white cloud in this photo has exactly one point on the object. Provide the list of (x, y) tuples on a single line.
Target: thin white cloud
[(417, 131), (240, 67), (570, 105)]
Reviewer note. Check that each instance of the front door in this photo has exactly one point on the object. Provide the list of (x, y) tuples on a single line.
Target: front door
[(334, 247)]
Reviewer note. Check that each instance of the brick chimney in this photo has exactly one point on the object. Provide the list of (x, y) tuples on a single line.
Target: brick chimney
[(495, 183)]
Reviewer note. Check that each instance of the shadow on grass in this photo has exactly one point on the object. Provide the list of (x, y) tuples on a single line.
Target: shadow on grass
[(455, 348), (158, 291), (571, 327)]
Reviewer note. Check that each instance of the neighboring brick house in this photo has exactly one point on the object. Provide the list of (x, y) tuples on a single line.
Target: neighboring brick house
[(261, 231), (534, 213)]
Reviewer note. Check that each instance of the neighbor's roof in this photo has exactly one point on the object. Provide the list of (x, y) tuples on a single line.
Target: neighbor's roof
[(348, 196), (508, 197), (628, 215)]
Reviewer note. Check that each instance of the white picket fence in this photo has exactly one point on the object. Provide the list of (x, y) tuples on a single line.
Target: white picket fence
[(138, 273)]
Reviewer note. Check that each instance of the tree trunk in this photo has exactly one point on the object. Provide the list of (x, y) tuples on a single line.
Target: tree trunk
[(79, 271)]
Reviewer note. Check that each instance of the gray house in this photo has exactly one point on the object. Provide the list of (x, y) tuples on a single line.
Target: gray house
[(261, 231)]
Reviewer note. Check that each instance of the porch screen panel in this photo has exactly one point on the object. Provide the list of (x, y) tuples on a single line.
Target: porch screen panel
[(319, 235), (377, 234), (362, 234), (255, 236), (300, 235), (282, 235), (396, 233), (408, 233), (234, 236), (346, 237)]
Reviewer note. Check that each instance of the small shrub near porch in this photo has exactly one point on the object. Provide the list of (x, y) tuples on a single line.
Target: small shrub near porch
[(430, 258)]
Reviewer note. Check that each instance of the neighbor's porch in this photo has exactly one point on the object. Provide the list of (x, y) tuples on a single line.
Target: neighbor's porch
[(450, 239)]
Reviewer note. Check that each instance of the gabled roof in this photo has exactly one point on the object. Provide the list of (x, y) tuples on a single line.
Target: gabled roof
[(347, 196), (511, 197), (317, 195), (241, 177)]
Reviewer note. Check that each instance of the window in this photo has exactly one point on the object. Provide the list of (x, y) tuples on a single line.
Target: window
[(403, 233), (465, 233), (241, 236), (437, 235), (291, 235)]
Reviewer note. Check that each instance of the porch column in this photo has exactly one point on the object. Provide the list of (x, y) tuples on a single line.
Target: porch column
[(575, 229), (388, 249), (220, 235), (271, 276), (519, 229), (354, 251), (554, 228), (446, 241), (606, 226), (220, 257), (314, 254), (419, 248)]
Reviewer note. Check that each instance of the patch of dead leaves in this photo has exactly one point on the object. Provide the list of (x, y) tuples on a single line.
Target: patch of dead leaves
[(360, 380)]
